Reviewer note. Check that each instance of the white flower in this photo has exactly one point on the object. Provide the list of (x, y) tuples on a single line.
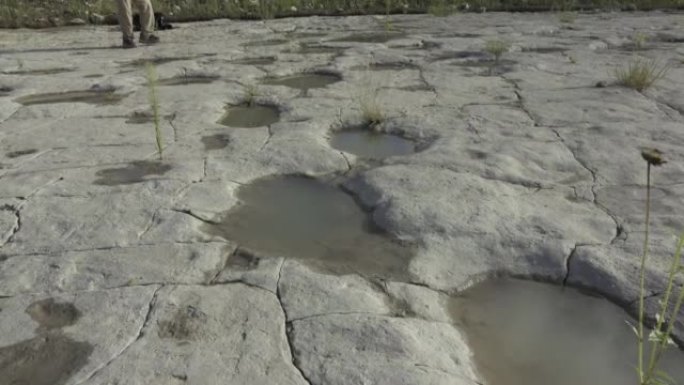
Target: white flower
[(293, 8)]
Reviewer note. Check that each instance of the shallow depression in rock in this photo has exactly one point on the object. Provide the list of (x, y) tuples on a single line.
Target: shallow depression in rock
[(91, 97), (373, 145), (250, 116), (303, 81), (49, 359), (529, 333), (303, 218)]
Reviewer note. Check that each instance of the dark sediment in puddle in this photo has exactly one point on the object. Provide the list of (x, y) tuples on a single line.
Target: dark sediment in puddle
[(372, 145), (256, 61), (529, 333), (305, 219), (20, 153), (250, 116), (185, 80), (303, 81), (215, 142), (139, 117), (378, 37), (49, 359), (135, 172), (53, 315), (88, 96)]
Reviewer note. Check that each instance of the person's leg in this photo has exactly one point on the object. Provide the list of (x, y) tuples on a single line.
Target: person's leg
[(146, 22), (126, 22)]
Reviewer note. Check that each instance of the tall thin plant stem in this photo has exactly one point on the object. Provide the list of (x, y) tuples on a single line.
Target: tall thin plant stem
[(642, 278), (154, 104)]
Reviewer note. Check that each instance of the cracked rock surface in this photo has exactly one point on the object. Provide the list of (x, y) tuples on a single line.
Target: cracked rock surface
[(108, 265)]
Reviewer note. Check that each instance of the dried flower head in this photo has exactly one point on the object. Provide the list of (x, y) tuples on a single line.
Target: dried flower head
[(653, 156)]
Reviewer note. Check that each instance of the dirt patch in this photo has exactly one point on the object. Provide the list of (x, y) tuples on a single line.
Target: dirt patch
[(49, 359), (215, 142), (185, 80), (264, 43), (20, 153), (243, 261), (44, 71), (164, 60), (545, 49), (183, 325), (255, 61), (316, 48), (53, 315), (378, 37), (135, 172)]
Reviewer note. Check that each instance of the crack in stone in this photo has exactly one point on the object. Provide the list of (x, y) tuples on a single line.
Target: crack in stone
[(190, 213), (150, 225), (619, 229), (140, 334), (349, 165), (288, 326), (173, 126), (270, 135), (222, 266), (17, 222), (568, 261)]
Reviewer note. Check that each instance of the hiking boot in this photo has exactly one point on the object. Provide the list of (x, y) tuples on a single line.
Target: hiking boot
[(149, 39), (128, 43)]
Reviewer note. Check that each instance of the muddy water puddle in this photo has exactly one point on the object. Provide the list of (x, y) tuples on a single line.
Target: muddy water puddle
[(304, 81), (250, 116), (529, 333), (371, 145), (306, 219), (87, 96)]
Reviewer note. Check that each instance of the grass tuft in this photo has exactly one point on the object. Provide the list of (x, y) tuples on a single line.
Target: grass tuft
[(152, 80), (567, 17), (639, 41), (497, 48), (640, 74), (250, 93)]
